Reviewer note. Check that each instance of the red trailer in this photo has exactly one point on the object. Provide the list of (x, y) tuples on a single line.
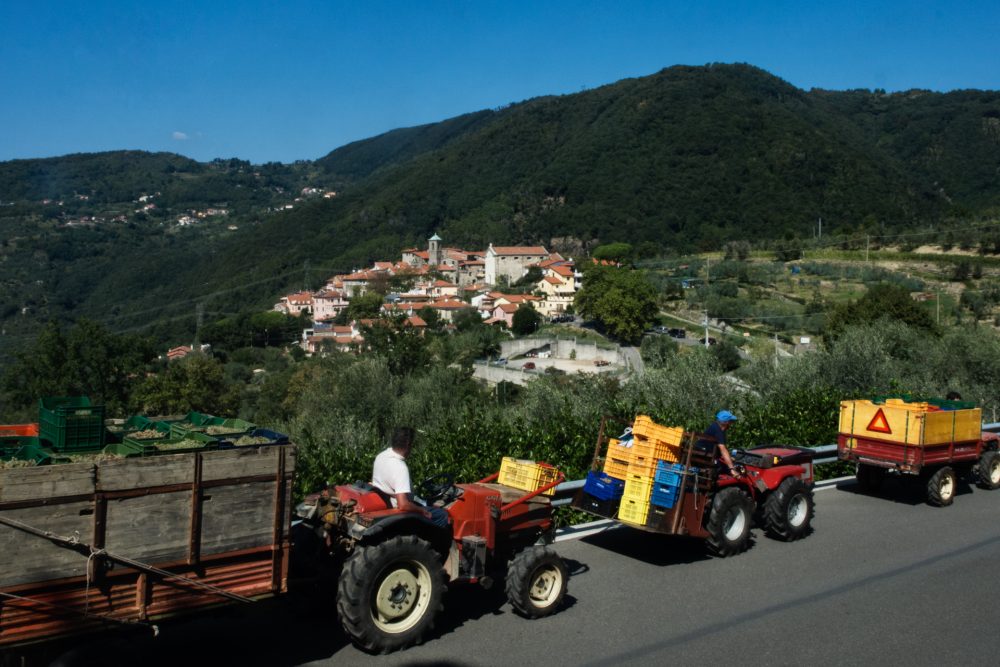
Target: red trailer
[(125, 542), (917, 441)]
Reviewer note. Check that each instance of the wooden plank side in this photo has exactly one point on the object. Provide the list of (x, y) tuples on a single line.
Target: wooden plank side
[(151, 528), (42, 482), (145, 472), (240, 462), (28, 558), (237, 517)]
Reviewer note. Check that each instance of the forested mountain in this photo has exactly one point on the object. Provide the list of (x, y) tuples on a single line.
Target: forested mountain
[(681, 160)]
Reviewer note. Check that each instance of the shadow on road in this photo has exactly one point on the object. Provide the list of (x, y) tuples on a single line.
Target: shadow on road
[(650, 548), (904, 490)]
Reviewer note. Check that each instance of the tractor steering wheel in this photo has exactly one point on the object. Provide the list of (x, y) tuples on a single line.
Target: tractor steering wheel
[(437, 487)]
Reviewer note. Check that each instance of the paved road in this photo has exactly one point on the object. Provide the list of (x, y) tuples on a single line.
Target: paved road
[(882, 579)]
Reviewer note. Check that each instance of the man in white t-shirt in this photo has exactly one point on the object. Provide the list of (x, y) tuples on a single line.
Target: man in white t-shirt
[(391, 476)]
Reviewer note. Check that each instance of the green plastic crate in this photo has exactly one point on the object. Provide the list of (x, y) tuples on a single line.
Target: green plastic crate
[(71, 423), (216, 427), (166, 445)]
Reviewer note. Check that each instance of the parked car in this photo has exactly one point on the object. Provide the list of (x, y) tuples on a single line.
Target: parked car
[(502, 361), (661, 330), (712, 341), (601, 362), (529, 366), (677, 333)]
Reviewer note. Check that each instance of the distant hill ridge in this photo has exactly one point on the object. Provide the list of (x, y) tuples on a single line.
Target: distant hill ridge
[(685, 159)]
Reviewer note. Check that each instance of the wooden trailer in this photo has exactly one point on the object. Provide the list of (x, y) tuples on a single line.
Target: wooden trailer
[(88, 546)]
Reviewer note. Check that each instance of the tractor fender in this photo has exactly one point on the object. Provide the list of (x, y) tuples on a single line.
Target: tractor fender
[(773, 477), (407, 523)]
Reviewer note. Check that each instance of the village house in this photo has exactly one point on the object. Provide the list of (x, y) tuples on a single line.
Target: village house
[(327, 304), (507, 264), (329, 337), (558, 287), (295, 304)]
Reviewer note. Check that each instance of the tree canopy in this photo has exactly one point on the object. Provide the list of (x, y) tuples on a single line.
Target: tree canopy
[(622, 300)]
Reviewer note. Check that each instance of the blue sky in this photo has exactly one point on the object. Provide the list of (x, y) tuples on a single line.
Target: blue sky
[(293, 80)]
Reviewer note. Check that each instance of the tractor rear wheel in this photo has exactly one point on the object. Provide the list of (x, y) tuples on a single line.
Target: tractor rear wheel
[(729, 523), (989, 470), (869, 477), (536, 582), (941, 487), (789, 510), (389, 593)]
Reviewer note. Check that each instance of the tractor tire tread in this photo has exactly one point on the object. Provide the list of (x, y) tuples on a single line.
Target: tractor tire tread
[(716, 541), (519, 573), (776, 522)]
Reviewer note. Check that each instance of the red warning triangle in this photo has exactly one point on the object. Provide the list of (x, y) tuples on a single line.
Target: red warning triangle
[(879, 424)]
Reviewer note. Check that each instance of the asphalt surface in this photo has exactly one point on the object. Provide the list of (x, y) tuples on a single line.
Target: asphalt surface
[(883, 579)]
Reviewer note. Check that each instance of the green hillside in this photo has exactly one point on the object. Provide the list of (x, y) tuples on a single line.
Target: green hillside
[(682, 160)]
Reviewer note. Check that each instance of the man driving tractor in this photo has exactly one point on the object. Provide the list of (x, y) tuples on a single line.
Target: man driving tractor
[(391, 477), (713, 441)]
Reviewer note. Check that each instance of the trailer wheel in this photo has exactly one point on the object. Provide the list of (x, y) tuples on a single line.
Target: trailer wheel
[(941, 487), (869, 477), (789, 510), (989, 470), (389, 593), (729, 523), (536, 582)]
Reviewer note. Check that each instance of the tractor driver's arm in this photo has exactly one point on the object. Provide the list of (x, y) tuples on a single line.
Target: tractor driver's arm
[(728, 460), (404, 501)]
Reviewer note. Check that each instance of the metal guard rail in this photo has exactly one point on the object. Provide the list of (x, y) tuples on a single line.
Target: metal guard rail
[(824, 454)]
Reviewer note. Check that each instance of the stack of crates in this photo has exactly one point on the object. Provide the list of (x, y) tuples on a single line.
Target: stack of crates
[(650, 444), (71, 423), (604, 492), (527, 475), (668, 483)]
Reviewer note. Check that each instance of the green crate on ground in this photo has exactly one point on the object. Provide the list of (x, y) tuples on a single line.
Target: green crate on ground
[(71, 423)]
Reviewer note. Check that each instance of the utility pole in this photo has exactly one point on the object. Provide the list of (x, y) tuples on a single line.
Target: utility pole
[(706, 328), (821, 228), (866, 248)]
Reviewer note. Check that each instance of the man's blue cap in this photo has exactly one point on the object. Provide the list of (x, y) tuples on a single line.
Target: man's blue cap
[(725, 416)]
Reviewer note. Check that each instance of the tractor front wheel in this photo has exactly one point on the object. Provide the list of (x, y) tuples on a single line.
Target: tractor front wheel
[(536, 582), (941, 487), (729, 523), (389, 593), (789, 510), (989, 470)]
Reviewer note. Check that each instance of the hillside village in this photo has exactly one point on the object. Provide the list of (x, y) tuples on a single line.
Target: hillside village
[(445, 280)]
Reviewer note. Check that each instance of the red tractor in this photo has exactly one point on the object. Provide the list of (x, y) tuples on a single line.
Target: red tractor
[(774, 489), (395, 564)]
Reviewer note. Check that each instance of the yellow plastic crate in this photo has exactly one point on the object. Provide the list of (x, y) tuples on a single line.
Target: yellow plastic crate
[(642, 466), (638, 487), (526, 475), (908, 423), (617, 451), (616, 468), (655, 449), (645, 427), (633, 511)]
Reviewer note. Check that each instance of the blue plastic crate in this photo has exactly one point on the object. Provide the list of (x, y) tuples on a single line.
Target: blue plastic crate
[(671, 473), (603, 487), (664, 496)]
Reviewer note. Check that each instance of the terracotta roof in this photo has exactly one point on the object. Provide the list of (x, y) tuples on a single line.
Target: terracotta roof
[(415, 321), (472, 262), (328, 294), (520, 250), (341, 329), (444, 267), (448, 304), (553, 281), (508, 307), (495, 320), (300, 297), (444, 283), (562, 270), (383, 266)]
